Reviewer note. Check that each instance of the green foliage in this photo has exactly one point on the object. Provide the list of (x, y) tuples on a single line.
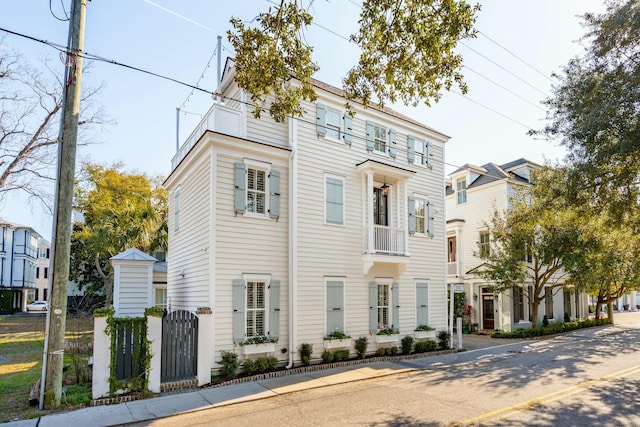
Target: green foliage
[(306, 351), (551, 329), (259, 340), (407, 344), (230, 364), (426, 328), (121, 211), (425, 346), (545, 321), (341, 355), (336, 335), (444, 338), (103, 312), (141, 357), (567, 317), (154, 312), (387, 331), (78, 394), (327, 356), (407, 54), (266, 57), (459, 300), (261, 365), (361, 346), (381, 351)]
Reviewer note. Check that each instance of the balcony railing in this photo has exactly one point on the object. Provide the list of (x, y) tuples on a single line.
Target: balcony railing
[(219, 118), (387, 240)]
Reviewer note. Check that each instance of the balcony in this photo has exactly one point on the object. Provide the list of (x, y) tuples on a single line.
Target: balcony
[(220, 118), (388, 240), (452, 268)]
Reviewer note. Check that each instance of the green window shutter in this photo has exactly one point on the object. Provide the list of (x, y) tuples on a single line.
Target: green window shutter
[(395, 297), (411, 148), (274, 309), (392, 142), (334, 200), (373, 307), (348, 128), (335, 306), (430, 214), (240, 184), (239, 326), (422, 304), (321, 119), (411, 209), (370, 135), (428, 155), (274, 194)]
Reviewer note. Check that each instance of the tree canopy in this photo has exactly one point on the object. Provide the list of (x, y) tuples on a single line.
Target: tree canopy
[(595, 109), (30, 103), (535, 242), (121, 211), (407, 54)]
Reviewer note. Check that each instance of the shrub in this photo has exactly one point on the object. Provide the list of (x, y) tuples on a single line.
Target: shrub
[(381, 351), (327, 356), (361, 346), (392, 351), (341, 355), (444, 337), (425, 346), (306, 350), (545, 321), (567, 318), (267, 364), (424, 327), (250, 367), (230, 364), (407, 344)]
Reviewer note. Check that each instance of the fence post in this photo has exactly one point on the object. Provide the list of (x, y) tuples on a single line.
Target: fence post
[(205, 337), (101, 358), (154, 335)]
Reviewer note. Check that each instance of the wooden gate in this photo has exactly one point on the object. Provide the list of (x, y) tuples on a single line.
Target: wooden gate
[(130, 348), (179, 346)]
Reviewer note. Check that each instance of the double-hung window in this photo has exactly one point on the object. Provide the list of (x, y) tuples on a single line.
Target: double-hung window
[(419, 152), (518, 305), (383, 305), (548, 303), (334, 200), (256, 190), (380, 139), (333, 125), (484, 244), (256, 307), (461, 188), (421, 215)]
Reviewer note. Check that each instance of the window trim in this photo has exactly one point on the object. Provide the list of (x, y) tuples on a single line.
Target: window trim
[(332, 126), (482, 246), (389, 284), (461, 192), (419, 158), (425, 214), (326, 202), (266, 279), (385, 129), (328, 279), (266, 168)]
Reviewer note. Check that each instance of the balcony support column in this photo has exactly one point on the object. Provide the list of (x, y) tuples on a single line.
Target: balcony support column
[(369, 210)]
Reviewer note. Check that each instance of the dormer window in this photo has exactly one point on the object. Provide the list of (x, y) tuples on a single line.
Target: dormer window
[(461, 189)]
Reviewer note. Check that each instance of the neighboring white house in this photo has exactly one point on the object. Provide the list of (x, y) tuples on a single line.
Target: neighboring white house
[(471, 195), (18, 263), (41, 292), (294, 230)]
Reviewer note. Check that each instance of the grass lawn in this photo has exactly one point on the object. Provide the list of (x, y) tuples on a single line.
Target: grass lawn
[(21, 350)]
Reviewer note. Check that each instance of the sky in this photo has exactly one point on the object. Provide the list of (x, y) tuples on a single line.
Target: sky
[(508, 69)]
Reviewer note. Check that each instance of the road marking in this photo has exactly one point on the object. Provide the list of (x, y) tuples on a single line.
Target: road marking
[(527, 405)]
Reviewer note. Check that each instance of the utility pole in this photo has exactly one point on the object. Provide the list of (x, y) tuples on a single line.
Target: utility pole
[(51, 384)]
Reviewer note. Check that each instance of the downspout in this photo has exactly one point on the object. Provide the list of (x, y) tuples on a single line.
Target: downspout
[(293, 240)]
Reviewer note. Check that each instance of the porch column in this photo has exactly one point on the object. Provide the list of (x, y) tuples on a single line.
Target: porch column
[(369, 210), (634, 301), (205, 338), (154, 335)]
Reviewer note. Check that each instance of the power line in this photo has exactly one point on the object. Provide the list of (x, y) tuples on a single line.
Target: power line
[(179, 16), (399, 149), (516, 56), (200, 78), (504, 69)]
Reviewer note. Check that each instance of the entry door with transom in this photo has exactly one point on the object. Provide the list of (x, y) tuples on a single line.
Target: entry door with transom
[(487, 310)]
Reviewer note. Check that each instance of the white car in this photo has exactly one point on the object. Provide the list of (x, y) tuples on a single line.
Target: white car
[(38, 306)]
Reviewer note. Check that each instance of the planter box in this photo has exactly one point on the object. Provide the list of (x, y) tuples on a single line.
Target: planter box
[(387, 338), (424, 334), (258, 348), (343, 343)]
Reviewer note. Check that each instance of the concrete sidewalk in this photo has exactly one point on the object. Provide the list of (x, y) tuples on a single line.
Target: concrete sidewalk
[(170, 404)]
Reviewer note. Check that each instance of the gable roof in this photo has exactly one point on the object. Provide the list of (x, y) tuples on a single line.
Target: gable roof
[(492, 172), (133, 254)]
